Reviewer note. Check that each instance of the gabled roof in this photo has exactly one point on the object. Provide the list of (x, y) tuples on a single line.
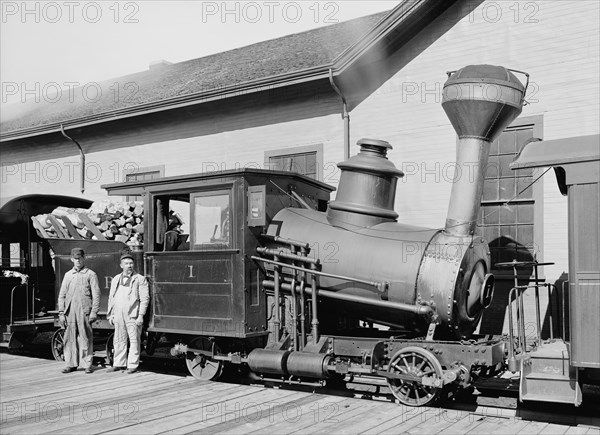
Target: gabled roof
[(307, 56), (284, 56)]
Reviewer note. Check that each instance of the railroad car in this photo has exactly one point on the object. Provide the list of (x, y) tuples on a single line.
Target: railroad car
[(269, 274), (33, 265)]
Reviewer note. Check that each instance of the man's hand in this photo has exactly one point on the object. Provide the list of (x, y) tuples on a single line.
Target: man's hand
[(139, 321), (93, 317), (62, 321), (111, 320)]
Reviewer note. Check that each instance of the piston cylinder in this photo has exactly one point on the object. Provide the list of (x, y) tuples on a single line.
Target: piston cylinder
[(268, 361), (305, 364)]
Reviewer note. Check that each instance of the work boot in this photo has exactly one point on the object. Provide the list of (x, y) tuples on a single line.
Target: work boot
[(115, 369), (89, 370), (68, 369), (131, 371)]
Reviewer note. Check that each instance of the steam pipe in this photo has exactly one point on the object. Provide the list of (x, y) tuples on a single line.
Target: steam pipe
[(315, 318), (345, 116), (421, 310), (276, 321), (82, 159), (381, 286)]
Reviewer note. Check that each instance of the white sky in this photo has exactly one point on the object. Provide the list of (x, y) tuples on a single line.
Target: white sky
[(47, 42)]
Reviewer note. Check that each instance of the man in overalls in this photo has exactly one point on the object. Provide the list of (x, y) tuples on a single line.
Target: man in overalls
[(78, 303), (127, 304)]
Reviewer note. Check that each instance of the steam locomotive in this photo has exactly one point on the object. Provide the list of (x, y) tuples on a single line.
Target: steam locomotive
[(275, 277)]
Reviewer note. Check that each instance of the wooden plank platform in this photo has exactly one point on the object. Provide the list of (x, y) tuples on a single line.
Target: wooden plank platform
[(36, 398)]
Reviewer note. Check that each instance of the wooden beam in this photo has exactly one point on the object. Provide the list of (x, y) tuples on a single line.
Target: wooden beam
[(90, 226), (60, 231), (71, 228)]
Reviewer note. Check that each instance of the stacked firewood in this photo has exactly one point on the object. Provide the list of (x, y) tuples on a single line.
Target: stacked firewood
[(104, 220)]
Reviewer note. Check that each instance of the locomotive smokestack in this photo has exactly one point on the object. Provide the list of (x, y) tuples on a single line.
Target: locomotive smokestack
[(480, 100)]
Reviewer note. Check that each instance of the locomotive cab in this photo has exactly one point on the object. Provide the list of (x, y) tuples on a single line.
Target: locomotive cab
[(200, 232)]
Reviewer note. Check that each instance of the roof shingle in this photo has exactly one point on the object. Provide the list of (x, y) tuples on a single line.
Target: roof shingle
[(261, 61)]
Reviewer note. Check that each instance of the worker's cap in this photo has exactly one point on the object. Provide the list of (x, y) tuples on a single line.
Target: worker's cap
[(77, 253), (126, 255)]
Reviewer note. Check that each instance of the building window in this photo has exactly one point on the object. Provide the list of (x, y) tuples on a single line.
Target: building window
[(510, 207), (140, 174), (306, 160)]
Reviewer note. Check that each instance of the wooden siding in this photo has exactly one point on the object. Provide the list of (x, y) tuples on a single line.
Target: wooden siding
[(584, 291)]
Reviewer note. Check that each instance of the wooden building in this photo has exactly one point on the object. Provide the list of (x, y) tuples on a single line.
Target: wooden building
[(301, 102)]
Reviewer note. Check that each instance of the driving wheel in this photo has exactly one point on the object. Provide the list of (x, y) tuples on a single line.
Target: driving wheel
[(110, 350), (418, 362), (200, 365), (58, 343)]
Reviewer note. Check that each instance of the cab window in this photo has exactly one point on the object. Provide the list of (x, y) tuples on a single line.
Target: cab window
[(211, 220)]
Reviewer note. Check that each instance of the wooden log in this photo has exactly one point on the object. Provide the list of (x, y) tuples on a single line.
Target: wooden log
[(104, 226), (85, 234), (39, 228), (71, 228), (79, 225), (43, 220), (139, 228), (139, 209), (90, 226), (60, 211), (121, 238)]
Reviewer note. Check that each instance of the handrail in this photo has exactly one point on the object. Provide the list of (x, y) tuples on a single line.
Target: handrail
[(562, 306), (550, 286), (12, 295)]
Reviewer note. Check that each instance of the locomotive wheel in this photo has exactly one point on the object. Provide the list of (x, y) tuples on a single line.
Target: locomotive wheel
[(110, 350), (57, 343), (201, 366), (414, 361)]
